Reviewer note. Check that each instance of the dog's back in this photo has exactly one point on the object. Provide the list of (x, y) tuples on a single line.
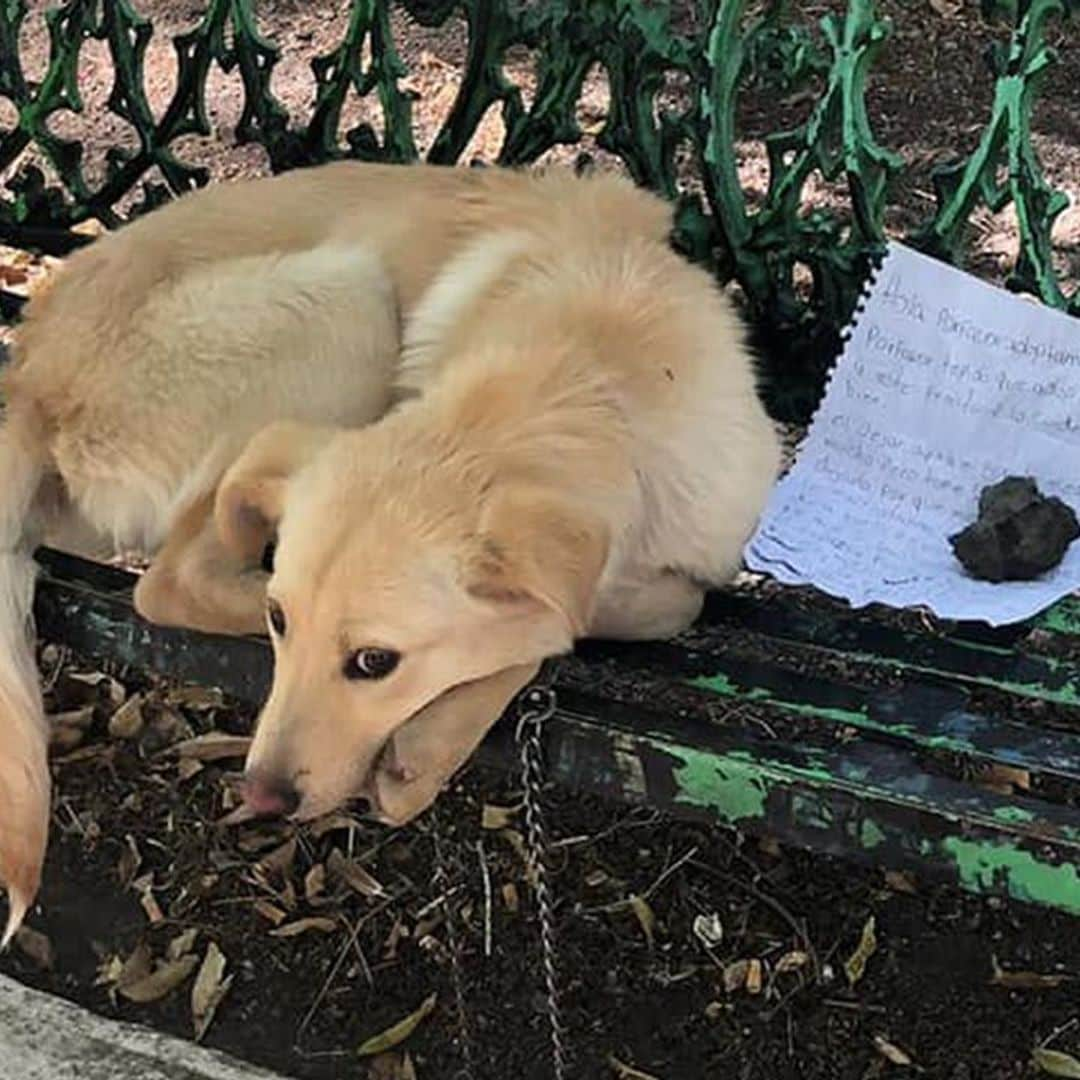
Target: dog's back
[(575, 290)]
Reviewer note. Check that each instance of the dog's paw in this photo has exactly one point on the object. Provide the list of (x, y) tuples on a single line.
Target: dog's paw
[(24, 828)]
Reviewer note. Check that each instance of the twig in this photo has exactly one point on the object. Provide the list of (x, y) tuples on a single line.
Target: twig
[(431, 905), (673, 868), (486, 874), (622, 905), (853, 1006), (364, 965), (1059, 1031), (327, 982), (354, 934)]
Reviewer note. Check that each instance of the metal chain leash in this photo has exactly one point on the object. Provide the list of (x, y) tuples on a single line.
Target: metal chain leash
[(457, 980), (537, 707)]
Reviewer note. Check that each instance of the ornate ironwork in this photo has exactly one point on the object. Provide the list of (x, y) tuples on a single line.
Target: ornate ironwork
[(682, 143)]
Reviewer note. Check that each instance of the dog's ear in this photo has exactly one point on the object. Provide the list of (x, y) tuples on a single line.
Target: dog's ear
[(251, 494), (541, 550)]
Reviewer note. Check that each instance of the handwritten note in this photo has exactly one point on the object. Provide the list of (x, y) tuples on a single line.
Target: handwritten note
[(946, 384)]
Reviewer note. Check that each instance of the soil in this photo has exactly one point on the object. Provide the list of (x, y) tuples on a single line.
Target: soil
[(684, 952), (730, 961)]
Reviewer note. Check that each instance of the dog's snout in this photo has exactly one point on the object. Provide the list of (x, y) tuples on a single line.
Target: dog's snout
[(269, 796)]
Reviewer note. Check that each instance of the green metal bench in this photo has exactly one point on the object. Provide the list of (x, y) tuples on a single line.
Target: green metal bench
[(725, 723), (952, 751)]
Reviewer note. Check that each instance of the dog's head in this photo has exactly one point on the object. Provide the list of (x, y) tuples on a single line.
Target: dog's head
[(402, 569)]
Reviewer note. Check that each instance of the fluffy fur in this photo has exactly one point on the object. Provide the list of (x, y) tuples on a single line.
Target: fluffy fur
[(143, 370), (580, 450), (577, 449)]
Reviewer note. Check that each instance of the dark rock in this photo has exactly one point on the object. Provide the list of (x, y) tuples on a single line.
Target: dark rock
[(1018, 535)]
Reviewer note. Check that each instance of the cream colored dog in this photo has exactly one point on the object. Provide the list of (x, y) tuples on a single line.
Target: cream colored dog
[(141, 373), (584, 453), (581, 451)]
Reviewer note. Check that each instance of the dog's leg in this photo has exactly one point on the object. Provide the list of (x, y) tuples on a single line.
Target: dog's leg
[(427, 750), (194, 582), (647, 608)]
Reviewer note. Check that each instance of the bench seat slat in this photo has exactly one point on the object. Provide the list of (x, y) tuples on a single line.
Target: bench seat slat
[(979, 655)]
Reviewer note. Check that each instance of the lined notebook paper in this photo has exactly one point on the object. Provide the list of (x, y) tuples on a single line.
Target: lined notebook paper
[(945, 384)]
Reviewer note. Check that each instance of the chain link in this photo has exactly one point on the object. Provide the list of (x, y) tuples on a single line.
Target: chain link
[(537, 707), (457, 978)]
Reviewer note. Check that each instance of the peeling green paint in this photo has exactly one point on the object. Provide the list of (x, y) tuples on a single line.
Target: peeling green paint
[(870, 835), (730, 789), (1062, 618), (1015, 814), (721, 684), (980, 865)]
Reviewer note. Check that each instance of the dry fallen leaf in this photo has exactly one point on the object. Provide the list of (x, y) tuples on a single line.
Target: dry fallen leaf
[(399, 1032), (392, 1066), (397, 932), (215, 746), (35, 946), (94, 683), (510, 897), (186, 768), (855, 965), (302, 926), (12, 275), (1024, 980), (127, 866), (127, 721), (709, 930), (1005, 779), (270, 912), (628, 1072), (135, 968), (163, 980), (280, 860), (947, 8), (734, 975), (73, 718), (645, 916), (890, 1052), (1056, 1063), (182, 944), (791, 961), (144, 888), (900, 881), (753, 977), (315, 882), (208, 990), (354, 875), (196, 698), (108, 971), (63, 737), (497, 817)]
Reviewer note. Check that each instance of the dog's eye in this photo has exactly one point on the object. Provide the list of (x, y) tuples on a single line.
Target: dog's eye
[(276, 617), (267, 561), (371, 663)]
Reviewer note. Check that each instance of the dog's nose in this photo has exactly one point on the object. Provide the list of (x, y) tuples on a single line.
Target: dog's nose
[(269, 796)]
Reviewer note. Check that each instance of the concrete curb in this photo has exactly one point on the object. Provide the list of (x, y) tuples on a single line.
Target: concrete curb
[(46, 1038)]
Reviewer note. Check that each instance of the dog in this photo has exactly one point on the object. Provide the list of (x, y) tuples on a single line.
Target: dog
[(577, 449), (140, 373), (192, 386)]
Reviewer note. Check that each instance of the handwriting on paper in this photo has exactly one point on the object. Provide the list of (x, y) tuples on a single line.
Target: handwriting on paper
[(946, 384)]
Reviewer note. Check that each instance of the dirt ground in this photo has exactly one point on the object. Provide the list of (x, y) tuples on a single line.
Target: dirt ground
[(685, 952)]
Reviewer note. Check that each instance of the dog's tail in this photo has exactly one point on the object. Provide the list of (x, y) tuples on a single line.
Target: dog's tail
[(24, 770)]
